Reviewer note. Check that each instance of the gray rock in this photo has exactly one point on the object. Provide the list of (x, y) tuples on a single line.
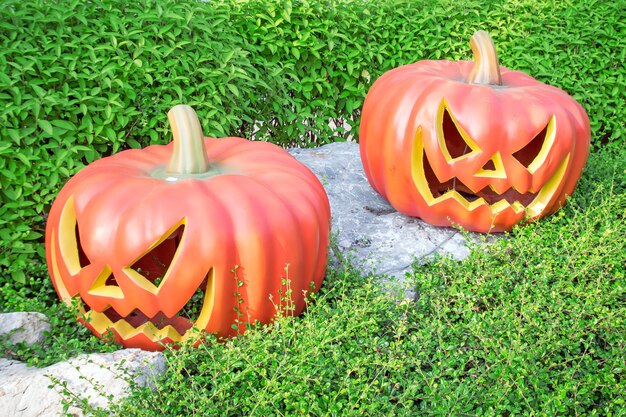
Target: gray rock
[(99, 378), (382, 240), (27, 327)]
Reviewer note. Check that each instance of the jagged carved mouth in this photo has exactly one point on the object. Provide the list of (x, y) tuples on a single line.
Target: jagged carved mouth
[(519, 202), (433, 191), (490, 195), (194, 315)]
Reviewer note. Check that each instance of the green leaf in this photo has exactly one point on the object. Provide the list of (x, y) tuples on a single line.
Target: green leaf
[(45, 126), (233, 89), (38, 90), (23, 158), (63, 124), (110, 133), (133, 143), (15, 135), (18, 276)]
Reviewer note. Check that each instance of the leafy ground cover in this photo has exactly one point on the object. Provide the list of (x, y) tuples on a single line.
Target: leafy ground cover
[(532, 324)]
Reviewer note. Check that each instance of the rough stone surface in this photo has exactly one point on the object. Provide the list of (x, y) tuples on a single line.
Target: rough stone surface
[(27, 327), (98, 377), (366, 225)]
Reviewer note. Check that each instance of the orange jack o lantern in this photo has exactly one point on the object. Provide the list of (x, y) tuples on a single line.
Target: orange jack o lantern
[(231, 225), (473, 144)]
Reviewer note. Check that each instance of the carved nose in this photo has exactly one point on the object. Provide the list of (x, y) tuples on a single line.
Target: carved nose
[(493, 168)]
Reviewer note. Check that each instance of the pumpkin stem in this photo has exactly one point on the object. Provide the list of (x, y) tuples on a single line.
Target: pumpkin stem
[(486, 69), (189, 153)]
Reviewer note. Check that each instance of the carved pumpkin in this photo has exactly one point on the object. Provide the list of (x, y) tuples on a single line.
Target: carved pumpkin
[(473, 144), (235, 226)]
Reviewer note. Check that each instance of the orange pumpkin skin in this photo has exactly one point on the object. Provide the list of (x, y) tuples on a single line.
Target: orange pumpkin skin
[(506, 152), (262, 219)]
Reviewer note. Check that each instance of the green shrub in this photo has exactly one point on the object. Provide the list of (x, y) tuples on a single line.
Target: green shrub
[(81, 80), (535, 323)]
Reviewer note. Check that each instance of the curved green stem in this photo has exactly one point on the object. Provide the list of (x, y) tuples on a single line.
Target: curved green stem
[(189, 153), (486, 69)]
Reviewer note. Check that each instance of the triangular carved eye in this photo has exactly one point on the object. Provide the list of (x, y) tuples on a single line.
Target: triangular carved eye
[(151, 268), (82, 258), (69, 239), (455, 143), (534, 153), (528, 153)]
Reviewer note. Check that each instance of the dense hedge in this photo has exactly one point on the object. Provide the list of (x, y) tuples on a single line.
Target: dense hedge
[(83, 79)]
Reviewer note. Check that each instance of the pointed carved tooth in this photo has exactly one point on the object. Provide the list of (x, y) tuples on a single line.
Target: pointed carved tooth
[(499, 206), (518, 207)]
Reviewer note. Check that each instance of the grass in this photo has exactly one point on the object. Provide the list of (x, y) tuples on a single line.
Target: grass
[(530, 324)]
